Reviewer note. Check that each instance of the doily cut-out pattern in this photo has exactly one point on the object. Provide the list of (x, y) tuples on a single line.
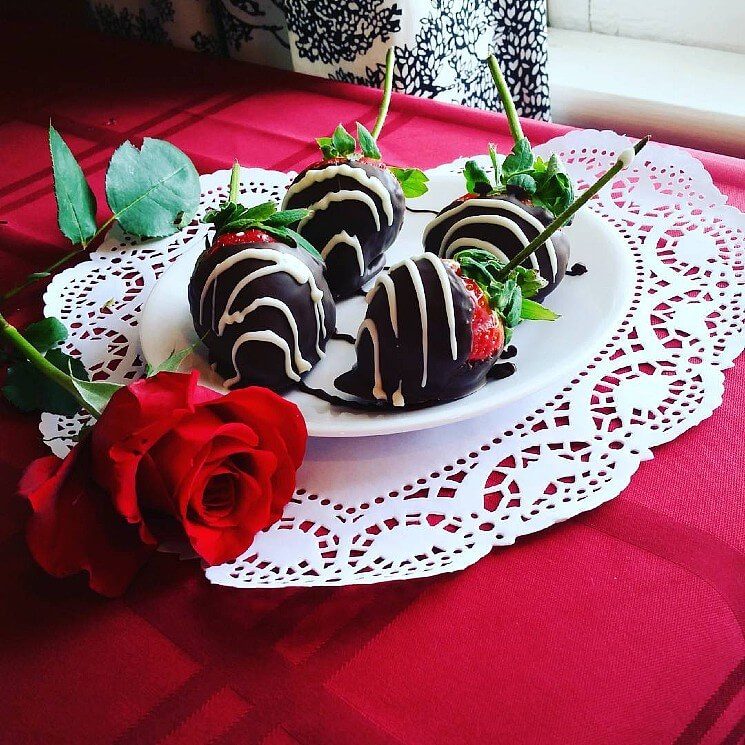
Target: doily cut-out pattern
[(437, 501)]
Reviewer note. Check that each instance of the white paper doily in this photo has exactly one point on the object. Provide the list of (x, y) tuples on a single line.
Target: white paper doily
[(429, 502)]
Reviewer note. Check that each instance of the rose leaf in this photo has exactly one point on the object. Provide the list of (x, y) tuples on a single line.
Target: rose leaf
[(153, 191)]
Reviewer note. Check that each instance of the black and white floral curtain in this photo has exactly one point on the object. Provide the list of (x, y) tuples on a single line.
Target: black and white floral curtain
[(441, 45)]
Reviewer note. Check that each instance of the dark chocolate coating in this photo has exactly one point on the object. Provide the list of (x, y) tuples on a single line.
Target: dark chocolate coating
[(401, 358), (259, 362), (355, 217), (501, 236)]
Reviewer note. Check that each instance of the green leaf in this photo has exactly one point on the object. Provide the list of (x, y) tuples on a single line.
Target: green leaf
[(30, 390), (529, 280), (413, 181), (327, 147), (76, 205), (173, 362), (260, 212), (504, 297), (343, 142), (45, 334), (96, 394), (532, 311), (153, 191), (367, 143), (495, 164), (477, 181), (512, 313), (520, 159), (540, 165), (296, 238), (525, 182), (286, 217)]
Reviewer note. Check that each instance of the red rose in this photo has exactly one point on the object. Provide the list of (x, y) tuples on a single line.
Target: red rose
[(223, 466)]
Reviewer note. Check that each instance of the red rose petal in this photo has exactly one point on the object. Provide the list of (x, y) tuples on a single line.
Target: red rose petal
[(262, 408), (74, 526)]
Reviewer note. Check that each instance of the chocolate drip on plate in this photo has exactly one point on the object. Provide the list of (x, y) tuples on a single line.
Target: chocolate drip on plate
[(576, 270)]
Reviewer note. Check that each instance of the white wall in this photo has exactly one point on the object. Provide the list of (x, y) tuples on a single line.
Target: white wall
[(717, 24)]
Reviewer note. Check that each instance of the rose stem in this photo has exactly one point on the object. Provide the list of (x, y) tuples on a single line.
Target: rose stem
[(44, 273), (41, 363), (506, 98), (390, 59), (235, 182), (586, 195)]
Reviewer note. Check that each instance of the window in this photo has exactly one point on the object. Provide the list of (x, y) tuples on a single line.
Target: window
[(675, 68)]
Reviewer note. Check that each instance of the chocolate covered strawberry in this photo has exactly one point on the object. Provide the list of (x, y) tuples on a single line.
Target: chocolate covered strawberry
[(504, 211), (258, 297), (356, 201), (434, 328)]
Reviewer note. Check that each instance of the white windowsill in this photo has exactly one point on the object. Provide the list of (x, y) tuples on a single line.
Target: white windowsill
[(679, 94)]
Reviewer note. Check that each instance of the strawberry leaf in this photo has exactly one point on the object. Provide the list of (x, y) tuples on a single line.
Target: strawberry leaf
[(343, 142), (298, 239), (523, 181), (520, 159), (532, 311), (287, 217), (477, 182), (76, 205), (495, 164), (327, 147), (367, 143), (413, 181)]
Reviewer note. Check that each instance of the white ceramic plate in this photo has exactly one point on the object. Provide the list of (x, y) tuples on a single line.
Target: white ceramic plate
[(591, 306)]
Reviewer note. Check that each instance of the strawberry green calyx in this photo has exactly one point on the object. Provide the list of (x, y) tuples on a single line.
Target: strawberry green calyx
[(343, 145), (509, 297), (232, 217), (544, 183)]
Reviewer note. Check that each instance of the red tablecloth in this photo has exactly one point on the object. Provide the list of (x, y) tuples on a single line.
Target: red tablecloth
[(623, 625)]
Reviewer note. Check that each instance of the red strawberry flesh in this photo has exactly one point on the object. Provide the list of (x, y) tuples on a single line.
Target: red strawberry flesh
[(242, 236), (487, 331)]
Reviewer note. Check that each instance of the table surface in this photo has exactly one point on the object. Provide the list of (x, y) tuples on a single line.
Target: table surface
[(622, 625)]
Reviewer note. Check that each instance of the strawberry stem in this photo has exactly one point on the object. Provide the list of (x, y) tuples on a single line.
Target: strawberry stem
[(504, 96), (235, 183), (390, 59), (578, 203), (10, 334)]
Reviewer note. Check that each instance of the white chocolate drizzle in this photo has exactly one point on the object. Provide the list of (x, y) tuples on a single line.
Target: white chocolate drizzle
[(460, 243), (348, 240), (447, 294), (375, 185), (301, 364), (422, 303), (495, 204), (267, 336), (369, 325), (500, 220), (280, 262), (340, 196), (385, 280)]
